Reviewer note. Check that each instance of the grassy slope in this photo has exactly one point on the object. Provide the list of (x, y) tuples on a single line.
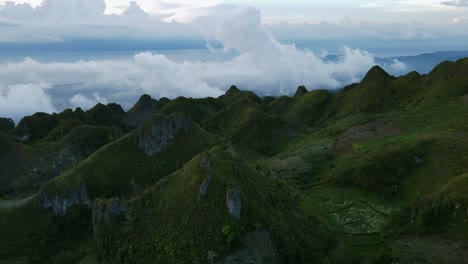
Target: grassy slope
[(27, 168), (372, 169), (121, 168), (171, 222)]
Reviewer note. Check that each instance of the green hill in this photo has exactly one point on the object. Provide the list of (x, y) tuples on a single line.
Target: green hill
[(375, 172)]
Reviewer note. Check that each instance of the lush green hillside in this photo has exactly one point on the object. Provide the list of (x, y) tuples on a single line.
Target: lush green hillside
[(376, 172)]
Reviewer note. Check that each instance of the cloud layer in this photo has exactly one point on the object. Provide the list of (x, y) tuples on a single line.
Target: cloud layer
[(262, 64)]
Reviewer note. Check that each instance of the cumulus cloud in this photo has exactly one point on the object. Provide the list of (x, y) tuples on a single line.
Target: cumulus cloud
[(78, 100), (457, 3), (23, 99), (59, 20), (262, 64), (396, 67)]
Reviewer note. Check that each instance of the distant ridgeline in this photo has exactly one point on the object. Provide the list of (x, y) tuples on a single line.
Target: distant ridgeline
[(376, 172)]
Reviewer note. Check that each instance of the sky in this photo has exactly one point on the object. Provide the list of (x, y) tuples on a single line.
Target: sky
[(300, 11), (61, 54)]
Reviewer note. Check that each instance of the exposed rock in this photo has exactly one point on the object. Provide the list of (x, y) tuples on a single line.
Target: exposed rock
[(204, 162), (233, 202), (106, 210), (205, 186), (143, 110), (417, 160), (414, 213), (60, 203), (66, 159), (159, 135), (25, 138)]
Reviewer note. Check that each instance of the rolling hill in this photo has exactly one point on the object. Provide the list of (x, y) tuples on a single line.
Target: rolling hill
[(375, 172)]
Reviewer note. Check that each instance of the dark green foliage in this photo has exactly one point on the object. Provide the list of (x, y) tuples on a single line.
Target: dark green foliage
[(308, 108), (108, 115), (172, 223), (5, 144), (234, 94), (375, 170), (87, 139), (360, 175), (35, 127), (301, 90), (249, 128), (34, 233), (6, 124), (122, 168), (143, 103), (198, 109)]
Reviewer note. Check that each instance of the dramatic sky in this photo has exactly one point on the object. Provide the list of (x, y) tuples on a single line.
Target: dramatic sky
[(68, 53)]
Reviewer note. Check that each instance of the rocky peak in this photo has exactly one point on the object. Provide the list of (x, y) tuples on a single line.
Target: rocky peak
[(232, 91), (376, 75), (301, 90), (145, 102), (159, 133)]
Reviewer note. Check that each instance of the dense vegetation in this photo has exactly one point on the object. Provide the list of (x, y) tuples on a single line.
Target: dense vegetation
[(376, 172)]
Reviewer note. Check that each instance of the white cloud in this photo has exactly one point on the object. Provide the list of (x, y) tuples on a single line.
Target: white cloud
[(19, 100), (460, 20), (262, 64), (59, 20), (78, 100), (396, 67)]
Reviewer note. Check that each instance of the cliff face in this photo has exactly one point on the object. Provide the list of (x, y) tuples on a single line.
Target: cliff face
[(60, 203), (105, 212), (158, 135), (233, 202)]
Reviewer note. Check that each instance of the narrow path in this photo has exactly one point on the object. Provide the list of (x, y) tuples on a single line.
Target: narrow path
[(6, 204)]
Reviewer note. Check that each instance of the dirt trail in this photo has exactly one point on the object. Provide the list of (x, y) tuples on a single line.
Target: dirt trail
[(6, 204)]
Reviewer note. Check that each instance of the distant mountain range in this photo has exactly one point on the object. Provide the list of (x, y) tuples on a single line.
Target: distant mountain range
[(424, 63)]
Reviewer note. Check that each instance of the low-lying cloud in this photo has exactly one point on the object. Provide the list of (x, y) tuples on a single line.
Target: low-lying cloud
[(262, 65), (23, 99)]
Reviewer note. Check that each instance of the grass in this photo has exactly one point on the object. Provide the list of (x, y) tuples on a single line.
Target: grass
[(172, 222), (364, 175)]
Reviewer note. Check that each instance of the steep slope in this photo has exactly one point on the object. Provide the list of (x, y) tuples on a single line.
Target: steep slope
[(249, 128), (25, 169), (202, 211), (6, 125), (373, 173), (141, 158), (199, 110), (448, 79), (143, 109)]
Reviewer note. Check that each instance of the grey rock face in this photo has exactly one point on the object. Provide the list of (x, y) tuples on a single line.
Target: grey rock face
[(233, 202), (60, 203), (160, 135), (204, 162), (105, 211), (205, 186), (66, 159)]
